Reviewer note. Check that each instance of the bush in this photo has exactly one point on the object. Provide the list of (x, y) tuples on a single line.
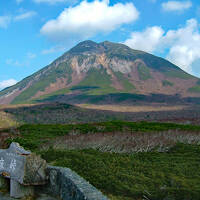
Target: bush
[(171, 175)]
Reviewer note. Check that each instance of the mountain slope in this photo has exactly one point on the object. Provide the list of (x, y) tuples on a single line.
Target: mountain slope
[(96, 69)]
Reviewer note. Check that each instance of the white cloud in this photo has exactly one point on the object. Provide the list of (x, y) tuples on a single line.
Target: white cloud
[(25, 15), (4, 21), (176, 5), (185, 44), (147, 40), (7, 83), (182, 45), (89, 18)]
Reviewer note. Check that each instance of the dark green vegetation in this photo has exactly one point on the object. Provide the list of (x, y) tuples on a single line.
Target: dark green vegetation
[(144, 72), (99, 79), (167, 83), (173, 174), (83, 88), (128, 87), (98, 96), (176, 74), (196, 88)]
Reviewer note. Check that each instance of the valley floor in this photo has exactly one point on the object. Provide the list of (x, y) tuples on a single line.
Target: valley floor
[(58, 113)]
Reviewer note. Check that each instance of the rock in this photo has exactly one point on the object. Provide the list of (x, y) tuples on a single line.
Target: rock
[(18, 191), (12, 162), (45, 197), (23, 168), (16, 148), (35, 170), (67, 185)]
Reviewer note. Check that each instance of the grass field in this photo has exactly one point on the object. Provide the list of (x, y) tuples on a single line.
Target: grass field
[(172, 175), (154, 160)]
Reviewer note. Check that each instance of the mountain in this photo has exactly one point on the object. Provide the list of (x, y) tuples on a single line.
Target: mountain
[(92, 72)]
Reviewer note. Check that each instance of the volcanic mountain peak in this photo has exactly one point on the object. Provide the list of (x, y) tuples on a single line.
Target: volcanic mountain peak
[(86, 46), (105, 68)]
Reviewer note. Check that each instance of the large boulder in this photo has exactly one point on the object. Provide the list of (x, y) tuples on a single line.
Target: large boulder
[(23, 168), (35, 170)]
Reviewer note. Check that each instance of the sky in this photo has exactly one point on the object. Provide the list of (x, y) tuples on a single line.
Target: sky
[(33, 33)]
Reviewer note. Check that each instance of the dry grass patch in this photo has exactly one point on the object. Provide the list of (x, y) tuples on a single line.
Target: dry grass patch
[(16, 106), (125, 142), (6, 120), (125, 109)]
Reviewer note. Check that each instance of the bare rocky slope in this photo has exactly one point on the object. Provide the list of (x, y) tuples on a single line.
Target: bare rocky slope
[(102, 72)]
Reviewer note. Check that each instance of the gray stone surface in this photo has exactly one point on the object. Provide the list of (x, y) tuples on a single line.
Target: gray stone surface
[(18, 191), (45, 197), (68, 185), (24, 170), (12, 163), (35, 170), (22, 166), (16, 148), (41, 197)]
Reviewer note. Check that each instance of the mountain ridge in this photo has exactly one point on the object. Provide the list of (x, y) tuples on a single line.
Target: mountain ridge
[(103, 68)]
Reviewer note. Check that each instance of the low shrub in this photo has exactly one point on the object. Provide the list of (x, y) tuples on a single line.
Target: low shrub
[(150, 175)]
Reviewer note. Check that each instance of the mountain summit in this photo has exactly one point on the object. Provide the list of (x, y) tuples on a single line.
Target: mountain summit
[(98, 69)]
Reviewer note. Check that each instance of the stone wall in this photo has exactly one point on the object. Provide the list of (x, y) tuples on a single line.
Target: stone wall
[(67, 185)]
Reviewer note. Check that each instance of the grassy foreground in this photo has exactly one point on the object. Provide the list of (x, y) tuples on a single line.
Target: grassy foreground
[(170, 175), (152, 175)]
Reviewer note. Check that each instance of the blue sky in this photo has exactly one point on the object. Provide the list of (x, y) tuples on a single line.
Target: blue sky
[(35, 32)]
